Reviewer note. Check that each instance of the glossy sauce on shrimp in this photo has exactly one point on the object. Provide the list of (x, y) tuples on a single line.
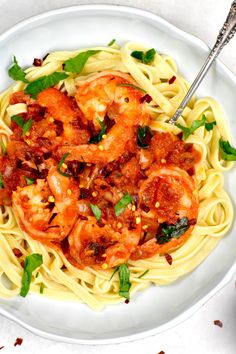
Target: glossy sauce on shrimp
[(92, 178)]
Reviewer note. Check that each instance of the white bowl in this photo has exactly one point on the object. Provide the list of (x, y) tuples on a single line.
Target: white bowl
[(157, 308)]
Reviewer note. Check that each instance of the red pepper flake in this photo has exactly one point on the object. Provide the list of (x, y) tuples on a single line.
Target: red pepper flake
[(172, 80), (147, 98), (168, 258), (22, 264), (37, 62), (161, 352), (2, 347), (17, 252), (18, 341), (218, 323), (127, 301)]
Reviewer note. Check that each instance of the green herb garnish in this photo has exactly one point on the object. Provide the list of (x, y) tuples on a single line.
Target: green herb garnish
[(62, 160), (195, 125), (144, 135), (122, 204), (41, 289), (124, 276), (173, 231), (97, 138), (115, 271), (228, 153), (209, 126), (76, 64), (32, 262), (1, 181), (29, 181), (24, 125), (16, 72), (125, 284), (144, 57), (44, 82), (96, 211), (3, 148), (111, 42), (144, 273), (133, 86)]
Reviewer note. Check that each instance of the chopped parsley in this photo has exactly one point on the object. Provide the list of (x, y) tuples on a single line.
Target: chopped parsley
[(144, 57), (3, 148), (29, 181), (16, 72), (76, 64), (111, 42), (125, 285), (144, 273), (195, 125), (1, 181), (62, 160), (25, 125), (122, 204), (228, 152), (44, 82), (144, 135), (41, 289), (133, 86), (96, 211), (98, 138), (210, 125), (32, 262), (172, 231)]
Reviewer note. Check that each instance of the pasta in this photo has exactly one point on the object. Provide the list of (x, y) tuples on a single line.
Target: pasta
[(61, 279)]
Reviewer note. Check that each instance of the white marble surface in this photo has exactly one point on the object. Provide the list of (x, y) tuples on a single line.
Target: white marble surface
[(198, 334)]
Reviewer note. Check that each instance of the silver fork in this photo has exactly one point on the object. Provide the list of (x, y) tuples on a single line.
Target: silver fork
[(226, 33)]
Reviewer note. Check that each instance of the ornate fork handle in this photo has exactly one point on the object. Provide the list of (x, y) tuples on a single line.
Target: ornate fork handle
[(226, 33)]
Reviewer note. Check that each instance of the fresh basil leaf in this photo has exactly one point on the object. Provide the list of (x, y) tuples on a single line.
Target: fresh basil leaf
[(195, 125), (32, 262), (62, 160), (41, 289), (115, 271), (29, 181), (96, 211), (228, 153), (125, 284), (16, 72), (18, 120), (1, 181), (172, 231), (97, 138), (144, 135), (122, 204), (133, 86), (76, 64), (44, 82), (27, 126), (3, 148), (209, 126), (111, 42), (144, 57), (144, 273)]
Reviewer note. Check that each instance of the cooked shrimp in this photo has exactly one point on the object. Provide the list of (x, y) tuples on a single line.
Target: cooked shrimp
[(168, 195), (63, 109), (48, 209), (109, 94), (101, 246)]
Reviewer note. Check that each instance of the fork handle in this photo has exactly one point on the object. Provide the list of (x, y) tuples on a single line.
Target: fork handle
[(226, 33)]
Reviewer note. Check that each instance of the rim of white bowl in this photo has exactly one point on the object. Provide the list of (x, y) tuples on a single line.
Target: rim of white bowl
[(231, 272)]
